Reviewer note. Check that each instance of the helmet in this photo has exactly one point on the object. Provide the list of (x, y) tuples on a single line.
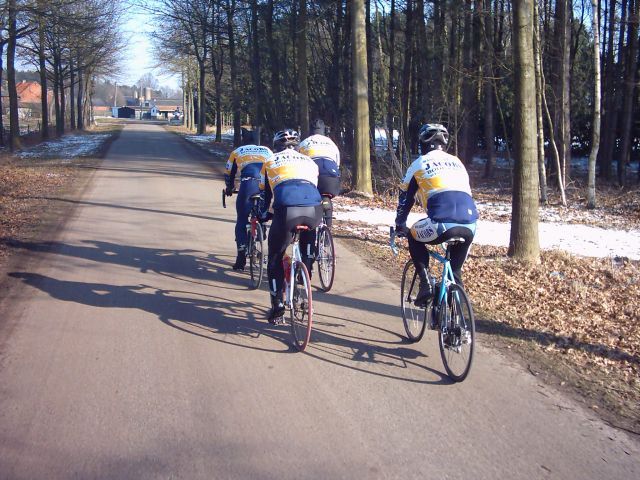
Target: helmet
[(431, 135), (317, 127), (285, 139)]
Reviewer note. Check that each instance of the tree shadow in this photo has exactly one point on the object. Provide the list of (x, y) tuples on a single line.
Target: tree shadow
[(128, 207), (546, 339), (231, 322), (186, 264)]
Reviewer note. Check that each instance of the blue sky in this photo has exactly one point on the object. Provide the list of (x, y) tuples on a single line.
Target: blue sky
[(138, 59)]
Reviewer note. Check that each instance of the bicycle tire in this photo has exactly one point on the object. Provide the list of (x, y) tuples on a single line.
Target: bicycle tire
[(256, 257), (457, 332), (414, 318), (301, 307), (326, 258)]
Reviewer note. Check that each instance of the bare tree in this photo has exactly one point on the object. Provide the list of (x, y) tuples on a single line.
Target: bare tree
[(524, 243), (595, 134)]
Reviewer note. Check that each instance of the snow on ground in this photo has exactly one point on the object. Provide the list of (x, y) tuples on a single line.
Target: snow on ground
[(68, 147), (576, 239)]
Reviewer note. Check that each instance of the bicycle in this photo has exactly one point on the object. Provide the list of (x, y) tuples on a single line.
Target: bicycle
[(254, 250), (449, 312), (255, 246), (325, 252), (297, 297)]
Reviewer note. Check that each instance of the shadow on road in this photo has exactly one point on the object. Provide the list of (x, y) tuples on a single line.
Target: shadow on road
[(128, 207), (201, 315)]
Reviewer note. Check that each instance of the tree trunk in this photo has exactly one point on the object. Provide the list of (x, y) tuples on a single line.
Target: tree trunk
[(44, 100), (80, 100), (524, 242), (14, 125), (537, 45), (489, 106), (595, 134), (72, 109), (628, 93), (258, 110), (2, 144), (276, 96), (303, 79), (202, 101), (233, 71), (361, 155), (391, 97)]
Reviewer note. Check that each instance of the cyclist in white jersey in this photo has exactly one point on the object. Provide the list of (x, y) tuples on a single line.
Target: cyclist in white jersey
[(247, 160), (290, 179), (440, 183), (325, 153)]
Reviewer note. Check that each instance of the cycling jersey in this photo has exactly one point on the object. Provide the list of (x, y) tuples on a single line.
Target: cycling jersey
[(248, 159), (440, 183), (319, 146), (291, 178)]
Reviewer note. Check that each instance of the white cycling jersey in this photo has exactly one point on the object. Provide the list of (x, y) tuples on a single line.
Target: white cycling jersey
[(317, 146)]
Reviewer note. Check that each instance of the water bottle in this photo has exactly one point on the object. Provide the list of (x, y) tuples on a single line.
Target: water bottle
[(286, 264)]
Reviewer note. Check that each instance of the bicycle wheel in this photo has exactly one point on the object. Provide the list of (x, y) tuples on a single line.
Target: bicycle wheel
[(414, 318), (256, 263), (326, 258), (301, 307), (457, 334)]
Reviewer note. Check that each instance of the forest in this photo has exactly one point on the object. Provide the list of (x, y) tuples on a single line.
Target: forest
[(447, 61), (533, 82)]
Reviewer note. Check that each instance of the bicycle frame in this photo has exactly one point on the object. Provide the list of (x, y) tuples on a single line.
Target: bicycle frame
[(296, 256)]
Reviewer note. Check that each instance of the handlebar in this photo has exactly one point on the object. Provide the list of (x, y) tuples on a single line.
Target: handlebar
[(224, 197)]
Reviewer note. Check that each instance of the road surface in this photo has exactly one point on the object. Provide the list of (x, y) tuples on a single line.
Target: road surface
[(129, 349)]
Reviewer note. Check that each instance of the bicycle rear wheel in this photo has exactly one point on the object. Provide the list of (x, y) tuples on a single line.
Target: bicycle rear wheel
[(326, 258), (414, 318), (457, 334), (256, 263), (301, 307)]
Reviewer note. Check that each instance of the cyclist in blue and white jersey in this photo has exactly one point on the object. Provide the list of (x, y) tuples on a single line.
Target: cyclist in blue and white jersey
[(248, 160), (440, 183), (290, 179), (325, 153)]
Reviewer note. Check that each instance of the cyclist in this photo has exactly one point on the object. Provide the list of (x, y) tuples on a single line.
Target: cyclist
[(290, 179), (440, 182), (248, 159), (325, 153)]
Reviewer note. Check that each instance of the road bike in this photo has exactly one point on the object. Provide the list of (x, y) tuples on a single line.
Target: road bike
[(297, 296), (256, 235), (325, 253), (449, 311)]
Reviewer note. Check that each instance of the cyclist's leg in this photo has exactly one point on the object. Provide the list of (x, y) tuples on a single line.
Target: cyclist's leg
[(243, 209), (279, 238), (459, 251), (424, 231), (310, 216)]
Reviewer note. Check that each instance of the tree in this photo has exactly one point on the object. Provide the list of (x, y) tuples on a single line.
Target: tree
[(361, 153), (595, 136), (524, 241)]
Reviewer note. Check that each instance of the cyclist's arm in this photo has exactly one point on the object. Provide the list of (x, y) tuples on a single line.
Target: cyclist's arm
[(406, 201), (230, 170), (265, 189)]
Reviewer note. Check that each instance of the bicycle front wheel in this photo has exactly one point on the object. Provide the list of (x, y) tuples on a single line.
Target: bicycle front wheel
[(457, 334), (326, 258), (256, 263), (414, 318), (301, 307)]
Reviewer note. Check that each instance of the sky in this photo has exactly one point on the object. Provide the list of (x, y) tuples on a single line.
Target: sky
[(138, 58)]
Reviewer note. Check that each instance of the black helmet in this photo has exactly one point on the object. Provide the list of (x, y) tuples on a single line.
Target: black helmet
[(317, 127), (285, 139), (431, 136)]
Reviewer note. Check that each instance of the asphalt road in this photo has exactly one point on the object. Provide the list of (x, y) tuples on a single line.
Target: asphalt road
[(129, 349)]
